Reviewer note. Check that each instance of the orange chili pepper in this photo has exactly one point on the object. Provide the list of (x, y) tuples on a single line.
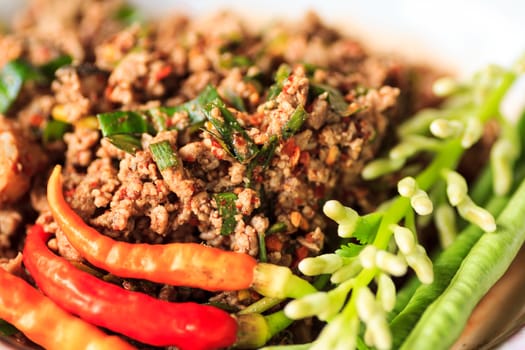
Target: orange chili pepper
[(182, 264), (45, 323), (187, 264)]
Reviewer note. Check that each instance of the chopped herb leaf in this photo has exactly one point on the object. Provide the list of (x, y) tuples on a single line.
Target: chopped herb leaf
[(349, 250), (126, 142), (123, 122), (195, 107), (48, 69), (267, 152), (231, 134), (296, 121), (6, 329), (336, 99), (283, 72), (227, 210), (164, 155), (55, 130), (264, 156), (367, 227), (365, 233)]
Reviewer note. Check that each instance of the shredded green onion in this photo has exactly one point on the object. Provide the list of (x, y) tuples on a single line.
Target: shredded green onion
[(276, 228)]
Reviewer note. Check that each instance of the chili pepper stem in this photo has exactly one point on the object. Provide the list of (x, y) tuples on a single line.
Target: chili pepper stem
[(254, 330), (279, 282)]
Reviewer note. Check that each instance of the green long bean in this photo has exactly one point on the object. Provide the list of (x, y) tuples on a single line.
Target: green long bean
[(445, 266), (483, 266)]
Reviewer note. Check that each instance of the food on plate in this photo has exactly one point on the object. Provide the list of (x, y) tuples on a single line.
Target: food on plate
[(192, 183)]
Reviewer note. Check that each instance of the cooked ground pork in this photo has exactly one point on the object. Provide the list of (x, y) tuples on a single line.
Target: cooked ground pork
[(294, 146)]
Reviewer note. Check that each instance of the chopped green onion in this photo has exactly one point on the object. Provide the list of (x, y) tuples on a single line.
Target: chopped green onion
[(55, 130), (128, 143), (227, 210), (122, 122), (276, 228), (295, 123), (158, 119), (163, 155), (263, 257)]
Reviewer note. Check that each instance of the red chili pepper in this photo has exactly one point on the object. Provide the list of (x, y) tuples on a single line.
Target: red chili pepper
[(45, 323), (187, 264), (163, 72), (136, 315)]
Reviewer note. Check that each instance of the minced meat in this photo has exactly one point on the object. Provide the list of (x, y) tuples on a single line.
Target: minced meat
[(280, 171)]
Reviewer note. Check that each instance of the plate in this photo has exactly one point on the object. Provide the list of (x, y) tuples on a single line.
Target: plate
[(461, 36)]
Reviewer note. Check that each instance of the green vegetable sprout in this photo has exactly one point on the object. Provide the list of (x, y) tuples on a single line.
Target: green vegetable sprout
[(360, 304)]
